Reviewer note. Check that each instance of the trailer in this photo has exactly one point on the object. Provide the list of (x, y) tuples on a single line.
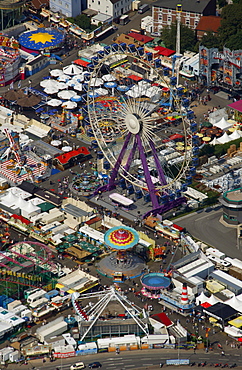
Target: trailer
[(55, 327)]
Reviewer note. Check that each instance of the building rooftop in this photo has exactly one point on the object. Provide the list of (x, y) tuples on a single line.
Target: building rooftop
[(187, 5), (209, 23)]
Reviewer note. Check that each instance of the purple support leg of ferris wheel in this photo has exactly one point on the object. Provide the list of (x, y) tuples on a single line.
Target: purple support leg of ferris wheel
[(158, 165), (131, 156), (149, 182), (114, 174)]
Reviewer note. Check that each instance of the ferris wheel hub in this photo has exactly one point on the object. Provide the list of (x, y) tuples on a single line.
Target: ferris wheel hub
[(132, 123)]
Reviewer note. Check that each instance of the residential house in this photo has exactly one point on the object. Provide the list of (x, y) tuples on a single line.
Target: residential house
[(164, 12), (112, 8)]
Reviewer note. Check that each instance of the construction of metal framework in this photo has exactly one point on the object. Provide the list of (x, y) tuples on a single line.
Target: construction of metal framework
[(92, 313)]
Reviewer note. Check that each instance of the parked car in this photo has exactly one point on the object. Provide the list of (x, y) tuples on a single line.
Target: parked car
[(94, 365)]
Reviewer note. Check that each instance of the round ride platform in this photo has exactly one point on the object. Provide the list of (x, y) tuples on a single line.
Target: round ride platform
[(155, 281), (133, 267)]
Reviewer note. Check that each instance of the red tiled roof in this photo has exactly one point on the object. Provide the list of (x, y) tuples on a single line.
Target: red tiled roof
[(81, 62), (164, 51), (64, 158), (163, 318), (139, 37), (135, 78), (209, 23), (21, 218)]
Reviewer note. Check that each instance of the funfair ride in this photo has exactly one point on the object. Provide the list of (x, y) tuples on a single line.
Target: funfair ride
[(136, 130)]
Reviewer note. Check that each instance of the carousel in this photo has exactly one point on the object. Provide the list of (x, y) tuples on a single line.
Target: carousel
[(122, 262)]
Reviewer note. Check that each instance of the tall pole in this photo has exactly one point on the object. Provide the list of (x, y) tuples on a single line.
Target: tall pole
[(178, 29)]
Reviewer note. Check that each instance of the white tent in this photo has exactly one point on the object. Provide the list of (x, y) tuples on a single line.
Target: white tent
[(56, 72), (21, 203), (235, 303), (108, 78), (49, 83), (51, 90), (96, 82), (223, 124), (102, 91), (61, 85), (213, 300), (214, 141), (235, 135), (54, 102), (63, 78), (201, 299), (78, 87), (72, 70), (224, 139), (69, 104), (9, 199), (66, 94)]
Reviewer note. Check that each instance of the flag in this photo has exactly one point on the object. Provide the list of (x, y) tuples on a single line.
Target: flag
[(19, 84), (207, 332)]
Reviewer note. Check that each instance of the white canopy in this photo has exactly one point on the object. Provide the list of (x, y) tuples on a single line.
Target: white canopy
[(235, 135), (214, 141), (72, 70), (78, 78), (66, 94), (96, 82), (201, 299), (108, 78), (69, 105), (49, 83), (223, 124), (213, 300), (54, 102), (62, 85), (101, 91), (56, 72), (78, 87), (63, 78), (51, 90), (235, 303), (224, 139)]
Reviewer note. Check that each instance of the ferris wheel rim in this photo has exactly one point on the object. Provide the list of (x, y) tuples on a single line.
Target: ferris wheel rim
[(109, 156)]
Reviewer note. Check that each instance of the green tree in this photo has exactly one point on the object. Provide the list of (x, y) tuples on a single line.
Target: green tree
[(210, 40), (231, 24), (188, 40), (222, 3)]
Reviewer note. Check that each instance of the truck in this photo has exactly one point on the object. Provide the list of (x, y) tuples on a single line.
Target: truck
[(143, 8), (124, 19)]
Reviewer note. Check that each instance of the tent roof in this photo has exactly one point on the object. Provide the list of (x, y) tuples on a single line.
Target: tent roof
[(237, 105), (223, 124), (163, 318), (221, 311), (224, 139), (235, 135), (214, 141)]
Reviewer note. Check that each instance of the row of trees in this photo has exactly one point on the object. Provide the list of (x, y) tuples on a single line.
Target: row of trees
[(229, 34)]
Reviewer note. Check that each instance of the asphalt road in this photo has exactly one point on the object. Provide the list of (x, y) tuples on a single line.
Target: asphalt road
[(137, 360), (206, 226)]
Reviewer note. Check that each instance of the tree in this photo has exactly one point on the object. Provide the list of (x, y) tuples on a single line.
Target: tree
[(82, 21), (230, 24), (210, 40), (222, 3), (188, 40)]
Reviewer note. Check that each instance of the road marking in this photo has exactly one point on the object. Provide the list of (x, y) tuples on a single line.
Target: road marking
[(147, 364), (201, 218), (129, 365)]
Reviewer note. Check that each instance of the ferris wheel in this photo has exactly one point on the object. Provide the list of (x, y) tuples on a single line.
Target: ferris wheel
[(133, 110)]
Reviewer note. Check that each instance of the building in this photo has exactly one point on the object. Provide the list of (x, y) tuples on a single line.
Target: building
[(220, 68), (232, 206), (164, 12), (112, 8), (68, 8), (207, 24)]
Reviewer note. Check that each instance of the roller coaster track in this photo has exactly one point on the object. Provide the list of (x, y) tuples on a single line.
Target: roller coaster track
[(15, 281)]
